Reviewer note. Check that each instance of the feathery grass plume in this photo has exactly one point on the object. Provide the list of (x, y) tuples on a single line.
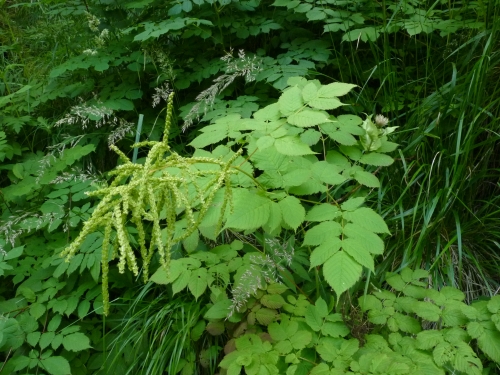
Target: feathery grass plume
[(243, 66), (166, 185)]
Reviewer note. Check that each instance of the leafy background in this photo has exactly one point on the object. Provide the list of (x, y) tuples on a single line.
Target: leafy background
[(76, 75)]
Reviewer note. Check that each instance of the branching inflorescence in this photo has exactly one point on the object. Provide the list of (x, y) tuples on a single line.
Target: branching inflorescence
[(152, 195)]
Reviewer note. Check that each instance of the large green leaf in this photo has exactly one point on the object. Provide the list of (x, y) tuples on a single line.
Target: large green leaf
[(293, 213), (357, 249), (323, 212), (76, 342), (374, 158), (268, 113), (324, 252), (198, 282), (368, 219), (367, 179), (290, 101), (341, 272), (292, 145), (275, 217), (327, 173), (56, 365), (335, 89), (489, 343), (251, 211), (308, 117), (220, 310), (368, 240), (325, 231)]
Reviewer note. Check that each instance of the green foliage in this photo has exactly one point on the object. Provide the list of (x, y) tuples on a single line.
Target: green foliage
[(300, 209)]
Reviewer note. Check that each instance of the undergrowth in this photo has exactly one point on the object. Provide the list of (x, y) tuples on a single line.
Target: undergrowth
[(267, 210)]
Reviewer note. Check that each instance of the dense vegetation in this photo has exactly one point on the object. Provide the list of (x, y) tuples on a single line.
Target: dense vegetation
[(247, 186)]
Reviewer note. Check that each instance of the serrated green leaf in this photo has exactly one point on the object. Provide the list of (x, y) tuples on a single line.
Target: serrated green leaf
[(321, 307), (335, 89), (283, 347), (326, 173), (310, 137), (296, 177), (443, 353), (356, 248), (341, 272), (369, 302), (250, 211), (277, 331), (316, 14), (321, 369), (328, 349), (292, 211), (323, 212), (181, 282), (46, 339), (56, 365), (367, 219), (449, 292), (37, 310), (489, 343), (265, 316), (374, 158), (340, 136), (325, 103), (83, 308), (268, 113), (273, 223), (57, 341), (54, 323), (307, 118), (313, 319), (325, 231), (350, 121), (292, 145), (396, 282), (387, 146), (300, 339), (427, 311), (163, 276), (493, 303), (191, 242), (367, 179), (76, 342), (198, 282), (309, 91), (32, 338), (337, 159), (420, 274), (352, 203), (374, 243), (352, 152), (407, 323), (220, 310), (265, 142), (276, 288), (290, 101), (273, 301), (429, 339), (335, 329), (475, 329)]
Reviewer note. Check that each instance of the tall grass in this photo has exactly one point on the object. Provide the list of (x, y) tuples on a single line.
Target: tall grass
[(441, 197), (156, 336)]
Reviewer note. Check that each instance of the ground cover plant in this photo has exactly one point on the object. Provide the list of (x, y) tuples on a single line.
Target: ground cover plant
[(324, 189)]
